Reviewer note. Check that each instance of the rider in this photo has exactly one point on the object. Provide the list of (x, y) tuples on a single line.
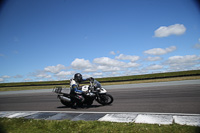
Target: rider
[(74, 87)]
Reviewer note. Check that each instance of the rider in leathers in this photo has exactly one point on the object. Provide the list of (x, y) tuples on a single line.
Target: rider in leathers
[(75, 92)]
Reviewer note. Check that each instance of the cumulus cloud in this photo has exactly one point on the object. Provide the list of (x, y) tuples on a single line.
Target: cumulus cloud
[(154, 67), (105, 61), (131, 64), (157, 58), (81, 64), (114, 53), (27, 79), (164, 31), (40, 74), (1, 79), (98, 74), (127, 57), (64, 74), (43, 75), (183, 62), (18, 76), (106, 64), (55, 69), (5, 76), (160, 51), (92, 69), (108, 68)]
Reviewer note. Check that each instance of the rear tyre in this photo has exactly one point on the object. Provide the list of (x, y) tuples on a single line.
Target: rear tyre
[(67, 104), (89, 103)]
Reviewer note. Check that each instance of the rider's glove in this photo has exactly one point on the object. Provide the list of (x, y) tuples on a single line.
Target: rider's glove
[(78, 92), (90, 78)]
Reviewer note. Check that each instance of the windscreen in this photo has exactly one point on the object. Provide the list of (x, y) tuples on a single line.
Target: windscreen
[(97, 84)]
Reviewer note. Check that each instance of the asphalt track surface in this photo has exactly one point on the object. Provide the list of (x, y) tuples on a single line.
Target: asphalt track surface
[(168, 97)]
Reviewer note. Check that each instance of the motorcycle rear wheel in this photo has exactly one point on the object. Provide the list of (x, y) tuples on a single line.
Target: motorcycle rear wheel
[(67, 104)]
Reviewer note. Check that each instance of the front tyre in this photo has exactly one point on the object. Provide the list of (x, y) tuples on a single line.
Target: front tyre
[(105, 99)]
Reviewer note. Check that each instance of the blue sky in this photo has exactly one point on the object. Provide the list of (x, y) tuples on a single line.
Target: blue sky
[(44, 40)]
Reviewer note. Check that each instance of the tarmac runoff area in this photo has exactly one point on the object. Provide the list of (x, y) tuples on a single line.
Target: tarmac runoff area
[(148, 118)]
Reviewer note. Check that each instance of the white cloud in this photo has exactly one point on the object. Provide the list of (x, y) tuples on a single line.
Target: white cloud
[(183, 59), (40, 74), (55, 69), (115, 74), (81, 64), (63, 74), (27, 79), (98, 74), (154, 67), (157, 58), (112, 52), (183, 62), (5, 76), (43, 75), (105, 61), (160, 51), (131, 64), (164, 31), (18, 76), (108, 68), (92, 69), (1, 79), (106, 64), (127, 57)]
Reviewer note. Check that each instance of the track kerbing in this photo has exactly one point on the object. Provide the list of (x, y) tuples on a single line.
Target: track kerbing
[(149, 118)]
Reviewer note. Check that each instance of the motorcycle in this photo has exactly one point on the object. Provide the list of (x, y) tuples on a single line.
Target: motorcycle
[(91, 92)]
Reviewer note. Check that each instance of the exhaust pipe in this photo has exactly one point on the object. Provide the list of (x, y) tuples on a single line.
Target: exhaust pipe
[(65, 98)]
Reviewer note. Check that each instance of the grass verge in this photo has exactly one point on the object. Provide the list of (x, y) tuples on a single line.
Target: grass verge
[(21, 125)]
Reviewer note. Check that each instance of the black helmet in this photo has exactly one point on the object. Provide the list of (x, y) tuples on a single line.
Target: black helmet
[(78, 77)]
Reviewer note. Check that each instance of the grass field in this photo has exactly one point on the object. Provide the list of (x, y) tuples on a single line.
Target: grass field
[(158, 77), (19, 125)]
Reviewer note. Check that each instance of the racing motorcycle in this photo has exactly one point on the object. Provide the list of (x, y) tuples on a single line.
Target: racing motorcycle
[(91, 92)]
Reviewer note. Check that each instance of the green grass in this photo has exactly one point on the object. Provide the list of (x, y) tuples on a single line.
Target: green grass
[(20, 125), (158, 77), (153, 76)]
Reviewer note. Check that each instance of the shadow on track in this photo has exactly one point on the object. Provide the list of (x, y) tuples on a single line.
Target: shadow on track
[(81, 107)]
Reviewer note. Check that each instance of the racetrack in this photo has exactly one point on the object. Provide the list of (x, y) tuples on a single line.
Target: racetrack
[(153, 97)]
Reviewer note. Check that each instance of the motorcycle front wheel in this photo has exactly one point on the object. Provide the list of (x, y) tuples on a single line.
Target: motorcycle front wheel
[(105, 99)]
